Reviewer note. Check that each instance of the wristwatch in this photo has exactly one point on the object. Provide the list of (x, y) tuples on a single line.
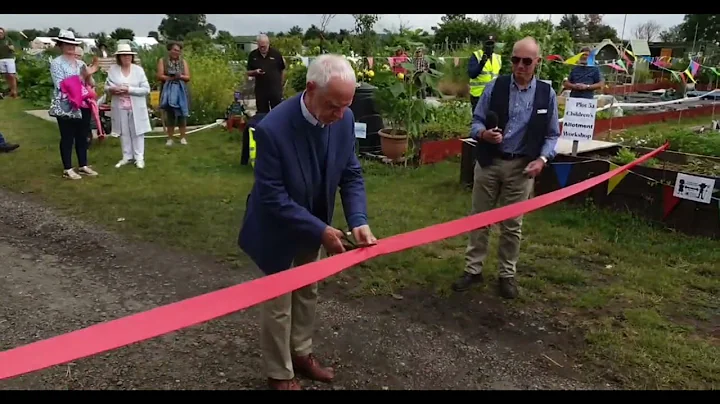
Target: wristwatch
[(544, 159)]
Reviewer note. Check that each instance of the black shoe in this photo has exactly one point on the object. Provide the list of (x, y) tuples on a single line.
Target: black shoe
[(466, 281), (8, 147), (508, 288)]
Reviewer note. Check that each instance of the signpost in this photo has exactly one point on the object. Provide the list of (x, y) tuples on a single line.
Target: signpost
[(579, 121)]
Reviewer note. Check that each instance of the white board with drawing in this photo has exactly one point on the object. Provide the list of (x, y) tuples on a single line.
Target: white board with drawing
[(694, 188), (579, 119)]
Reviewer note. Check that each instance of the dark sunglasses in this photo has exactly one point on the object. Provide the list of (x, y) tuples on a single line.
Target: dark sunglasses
[(526, 61)]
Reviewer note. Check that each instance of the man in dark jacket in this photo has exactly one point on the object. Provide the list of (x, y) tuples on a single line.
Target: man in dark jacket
[(510, 153), (267, 67), (305, 152)]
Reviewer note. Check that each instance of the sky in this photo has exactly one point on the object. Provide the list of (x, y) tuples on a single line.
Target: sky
[(252, 24)]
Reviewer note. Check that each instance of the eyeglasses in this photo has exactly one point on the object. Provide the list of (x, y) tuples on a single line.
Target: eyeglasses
[(526, 61)]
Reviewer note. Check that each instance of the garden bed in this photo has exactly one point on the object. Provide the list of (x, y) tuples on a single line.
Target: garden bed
[(646, 191)]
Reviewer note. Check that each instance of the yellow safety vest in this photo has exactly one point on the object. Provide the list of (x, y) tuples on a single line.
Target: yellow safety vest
[(251, 147), (489, 72)]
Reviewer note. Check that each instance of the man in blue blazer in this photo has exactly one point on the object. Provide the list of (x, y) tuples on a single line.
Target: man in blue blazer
[(305, 152)]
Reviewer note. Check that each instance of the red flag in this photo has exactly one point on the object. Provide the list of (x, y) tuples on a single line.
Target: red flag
[(669, 200)]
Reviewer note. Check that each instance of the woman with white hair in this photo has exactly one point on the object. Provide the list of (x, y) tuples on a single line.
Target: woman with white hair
[(128, 86), (69, 104)]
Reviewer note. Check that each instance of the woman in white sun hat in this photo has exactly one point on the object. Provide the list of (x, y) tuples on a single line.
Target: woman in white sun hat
[(69, 104), (128, 86)]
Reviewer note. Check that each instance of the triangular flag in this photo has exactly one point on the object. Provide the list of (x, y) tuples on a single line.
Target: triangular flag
[(689, 75), (573, 60), (562, 171), (370, 61), (715, 70), (669, 200), (614, 181)]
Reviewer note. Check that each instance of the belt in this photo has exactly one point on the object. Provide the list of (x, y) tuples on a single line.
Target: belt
[(511, 156)]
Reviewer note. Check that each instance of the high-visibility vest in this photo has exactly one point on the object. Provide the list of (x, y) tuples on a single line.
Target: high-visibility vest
[(489, 72), (251, 146)]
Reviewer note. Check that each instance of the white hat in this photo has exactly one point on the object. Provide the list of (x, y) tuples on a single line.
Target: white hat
[(66, 36), (124, 49)]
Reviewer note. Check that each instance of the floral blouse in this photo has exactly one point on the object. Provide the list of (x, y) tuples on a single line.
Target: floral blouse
[(61, 69)]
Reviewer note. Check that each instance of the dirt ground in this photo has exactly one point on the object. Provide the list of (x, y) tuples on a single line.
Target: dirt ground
[(58, 275)]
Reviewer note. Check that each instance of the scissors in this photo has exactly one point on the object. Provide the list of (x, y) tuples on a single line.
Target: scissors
[(349, 241)]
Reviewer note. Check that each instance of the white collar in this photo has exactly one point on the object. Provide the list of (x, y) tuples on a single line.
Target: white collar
[(306, 113)]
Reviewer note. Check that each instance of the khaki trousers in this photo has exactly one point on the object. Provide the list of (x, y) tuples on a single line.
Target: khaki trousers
[(287, 324), (499, 184)]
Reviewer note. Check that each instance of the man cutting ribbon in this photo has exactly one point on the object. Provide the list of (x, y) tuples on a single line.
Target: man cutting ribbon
[(305, 152)]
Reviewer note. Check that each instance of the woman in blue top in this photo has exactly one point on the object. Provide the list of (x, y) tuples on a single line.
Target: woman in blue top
[(73, 121)]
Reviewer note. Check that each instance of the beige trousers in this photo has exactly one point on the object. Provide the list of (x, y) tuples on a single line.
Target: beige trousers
[(499, 184), (287, 324)]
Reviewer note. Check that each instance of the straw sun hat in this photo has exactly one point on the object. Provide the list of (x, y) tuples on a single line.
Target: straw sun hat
[(68, 37), (124, 49)]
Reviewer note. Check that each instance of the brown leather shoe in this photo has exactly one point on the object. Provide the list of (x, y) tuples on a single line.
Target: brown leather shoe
[(309, 367), (291, 384)]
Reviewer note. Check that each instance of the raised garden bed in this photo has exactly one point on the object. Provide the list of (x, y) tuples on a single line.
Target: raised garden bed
[(646, 191)]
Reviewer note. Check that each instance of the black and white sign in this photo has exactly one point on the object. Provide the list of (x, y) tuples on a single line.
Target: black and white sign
[(579, 119), (694, 188)]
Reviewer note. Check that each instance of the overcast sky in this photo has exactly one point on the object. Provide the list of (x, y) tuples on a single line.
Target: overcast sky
[(251, 24)]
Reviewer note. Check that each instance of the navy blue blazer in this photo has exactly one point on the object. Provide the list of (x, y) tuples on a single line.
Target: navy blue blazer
[(278, 223)]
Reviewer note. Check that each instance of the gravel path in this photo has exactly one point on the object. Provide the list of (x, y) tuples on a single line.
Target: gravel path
[(58, 275)]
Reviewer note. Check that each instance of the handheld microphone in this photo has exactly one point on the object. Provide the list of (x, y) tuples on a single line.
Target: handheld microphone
[(491, 120)]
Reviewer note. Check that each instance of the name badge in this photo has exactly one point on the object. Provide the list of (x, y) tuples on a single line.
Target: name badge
[(542, 111)]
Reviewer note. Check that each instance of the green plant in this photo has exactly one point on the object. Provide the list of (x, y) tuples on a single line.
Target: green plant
[(403, 109)]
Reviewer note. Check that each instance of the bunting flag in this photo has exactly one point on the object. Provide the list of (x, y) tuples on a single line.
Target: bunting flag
[(457, 61), (575, 59), (670, 201), (562, 171), (694, 67), (591, 58), (370, 61), (614, 181), (554, 58), (689, 75)]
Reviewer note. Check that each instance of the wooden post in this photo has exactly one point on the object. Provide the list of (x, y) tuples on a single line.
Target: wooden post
[(576, 144)]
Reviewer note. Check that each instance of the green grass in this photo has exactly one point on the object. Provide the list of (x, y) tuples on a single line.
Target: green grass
[(646, 298)]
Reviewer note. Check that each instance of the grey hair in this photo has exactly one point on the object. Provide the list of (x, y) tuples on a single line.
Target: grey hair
[(328, 66), (261, 37), (526, 40)]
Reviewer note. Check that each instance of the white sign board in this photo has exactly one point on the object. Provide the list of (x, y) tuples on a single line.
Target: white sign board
[(579, 119), (360, 130), (698, 189)]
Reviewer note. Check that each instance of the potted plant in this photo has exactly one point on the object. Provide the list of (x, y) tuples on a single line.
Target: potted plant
[(403, 109)]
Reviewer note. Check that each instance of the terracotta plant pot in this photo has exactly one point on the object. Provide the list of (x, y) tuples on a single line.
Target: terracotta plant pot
[(393, 145)]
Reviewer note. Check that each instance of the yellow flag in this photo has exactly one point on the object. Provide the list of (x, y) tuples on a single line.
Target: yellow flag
[(614, 181), (573, 60), (631, 54), (689, 75)]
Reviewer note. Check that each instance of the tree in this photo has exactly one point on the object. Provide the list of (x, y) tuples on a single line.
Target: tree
[(573, 24), (499, 22), (295, 31), (461, 30), (324, 22), (596, 30), (648, 31), (671, 34), (154, 34), (122, 33), (453, 17), (177, 26), (364, 25), (708, 27)]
